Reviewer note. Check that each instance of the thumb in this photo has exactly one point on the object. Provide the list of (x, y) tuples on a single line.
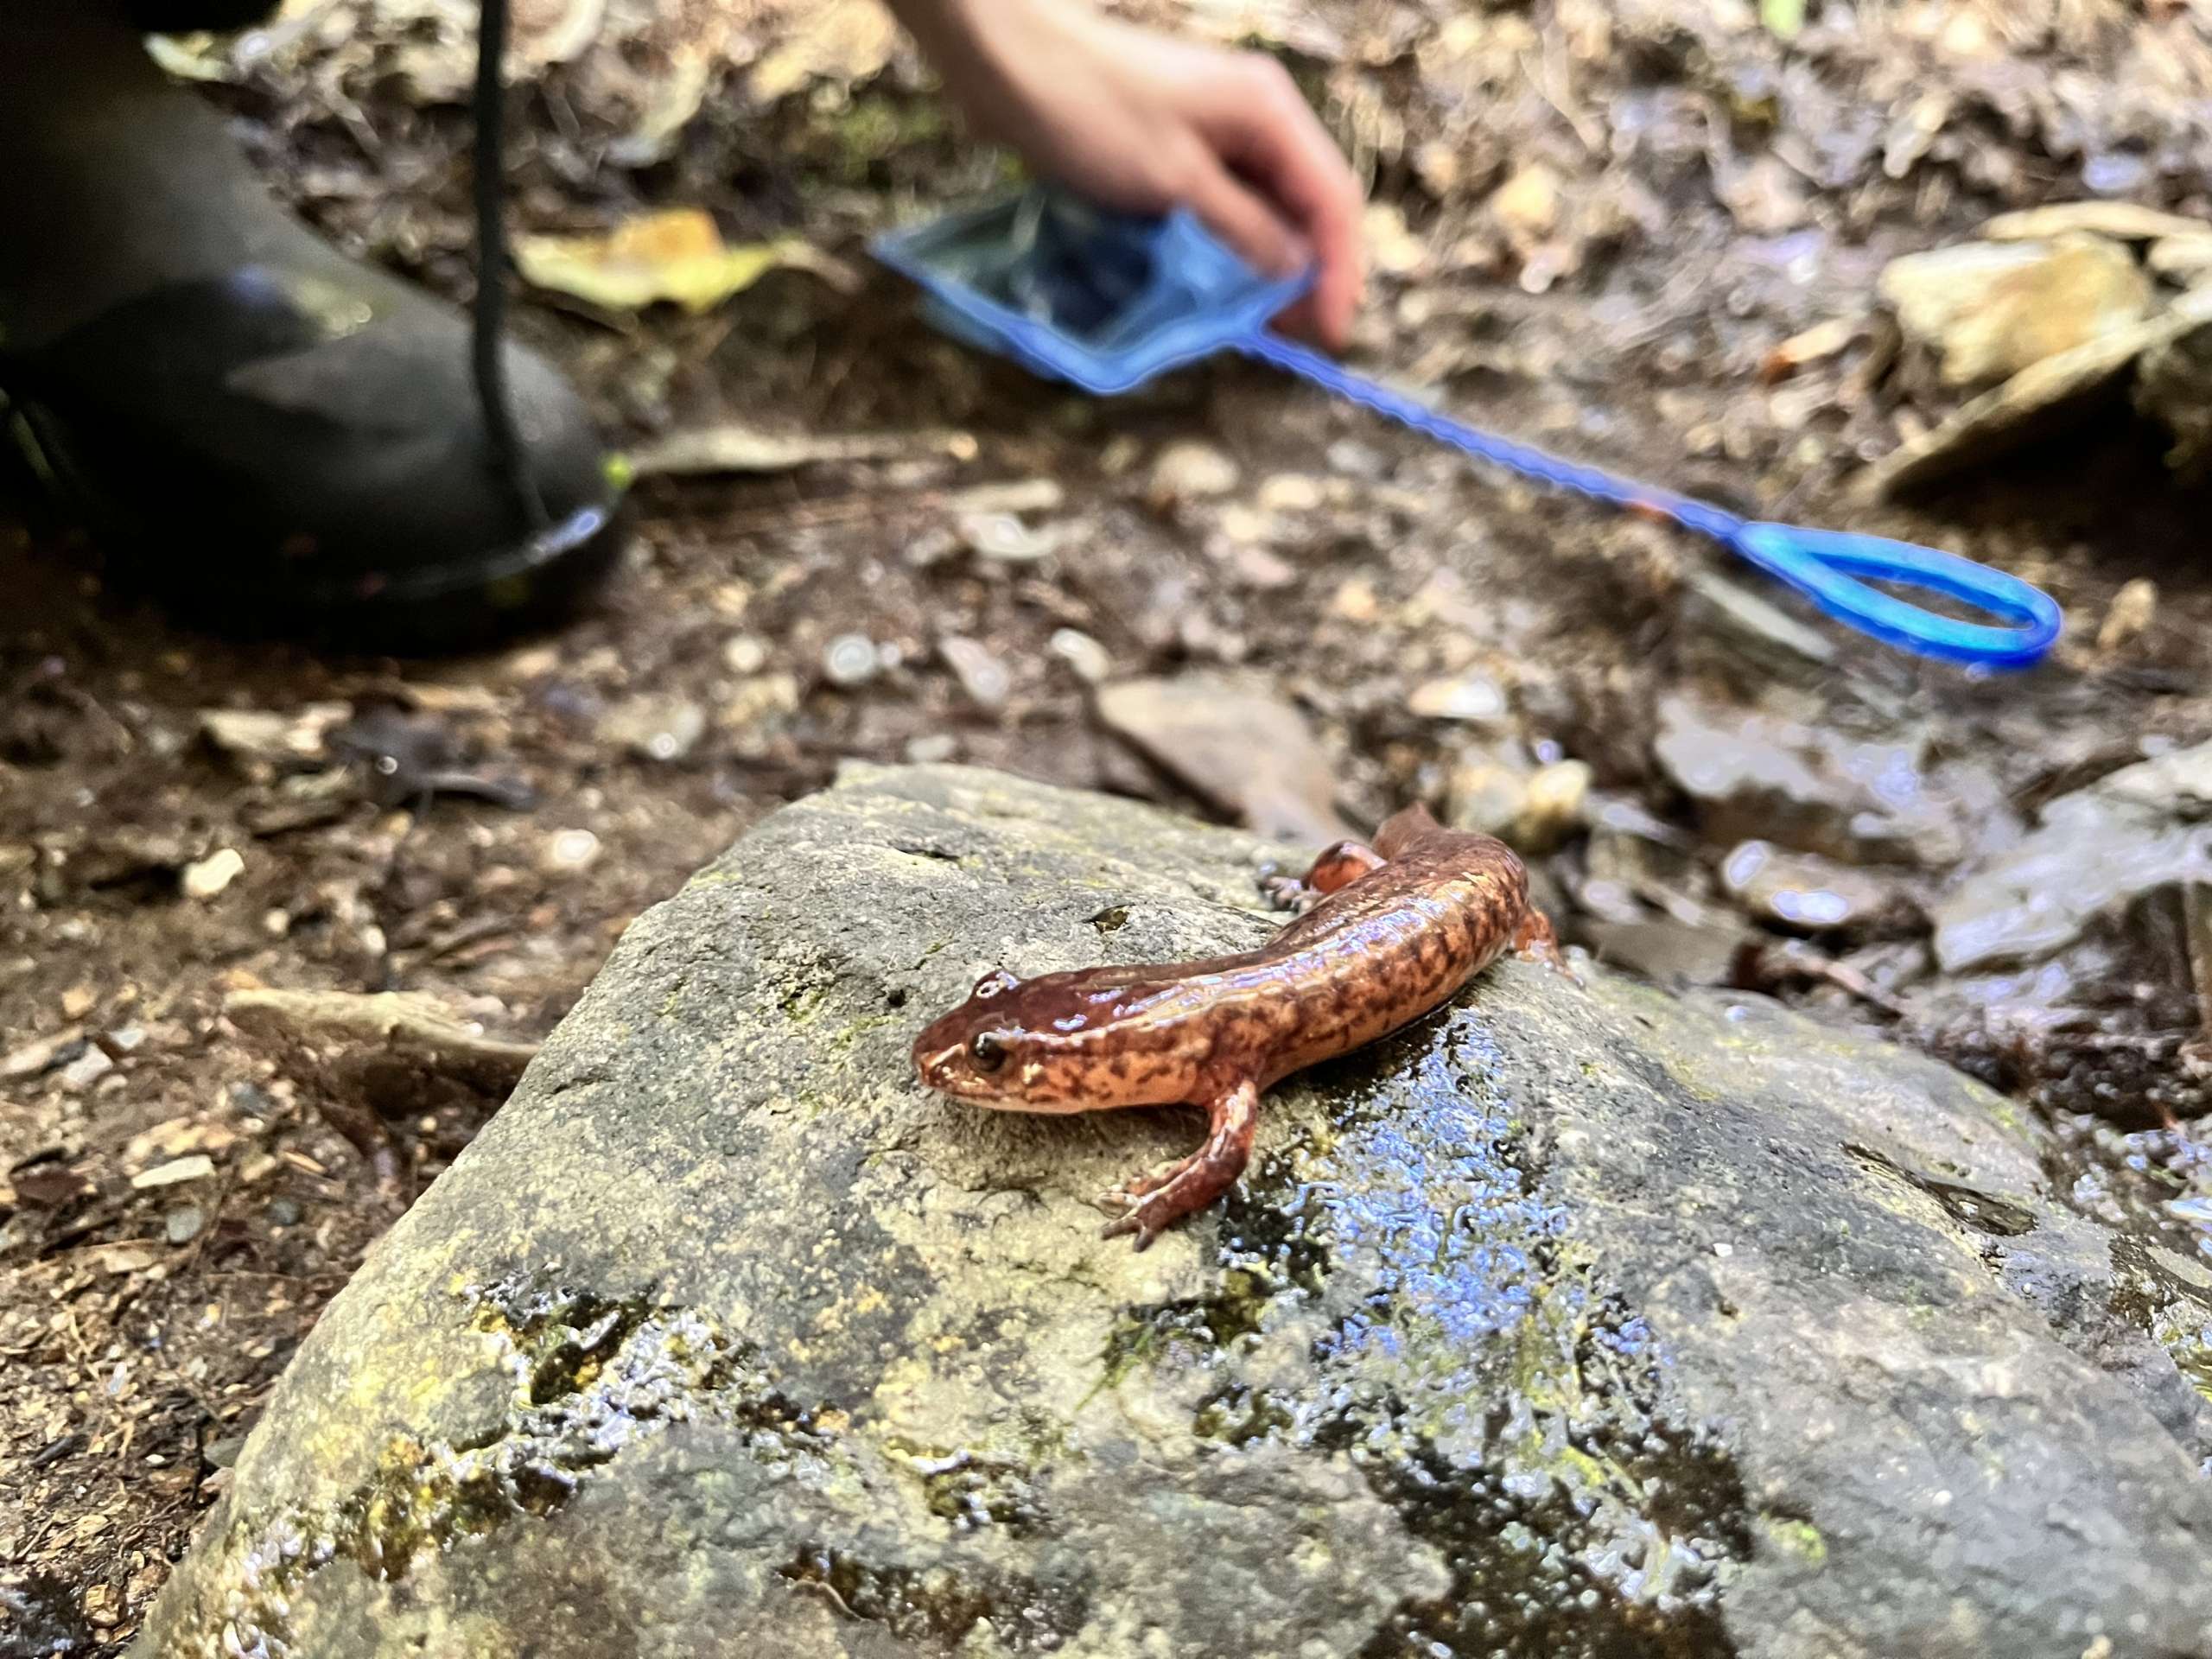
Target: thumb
[(1234, 212)]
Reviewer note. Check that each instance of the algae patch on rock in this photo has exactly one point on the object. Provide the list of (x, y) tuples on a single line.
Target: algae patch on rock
[(1567, 1322)]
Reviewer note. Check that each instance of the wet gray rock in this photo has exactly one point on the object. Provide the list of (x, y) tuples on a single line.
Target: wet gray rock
[(1669, 951), (1804, 892), (1756, 776), (2093, 853), (1570, 1322), (1728, 631), (1235, 743)]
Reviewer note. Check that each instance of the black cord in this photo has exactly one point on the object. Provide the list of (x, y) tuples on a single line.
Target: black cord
[(491, 308)]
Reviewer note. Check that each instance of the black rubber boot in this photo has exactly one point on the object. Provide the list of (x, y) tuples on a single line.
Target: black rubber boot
[(276, 436)]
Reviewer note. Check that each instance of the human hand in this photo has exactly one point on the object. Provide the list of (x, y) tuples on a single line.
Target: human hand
[(1143, 124)]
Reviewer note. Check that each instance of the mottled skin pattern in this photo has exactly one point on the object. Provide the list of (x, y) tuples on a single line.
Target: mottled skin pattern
[(1389, 932)]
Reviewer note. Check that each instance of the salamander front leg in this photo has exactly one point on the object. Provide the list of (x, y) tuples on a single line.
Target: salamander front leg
[(1340, 866), (1152, 1204)]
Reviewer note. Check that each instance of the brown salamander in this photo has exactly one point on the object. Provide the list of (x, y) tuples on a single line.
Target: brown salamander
[(1392, 932)]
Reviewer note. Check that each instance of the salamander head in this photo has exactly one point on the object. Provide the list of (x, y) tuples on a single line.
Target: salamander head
[(1031, 1045)]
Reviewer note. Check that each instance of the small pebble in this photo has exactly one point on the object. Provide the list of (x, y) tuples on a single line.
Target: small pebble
[(208, 877), (933, 750), (654, 729), (981, 673), (851, 660), (569, 851), (1473, 697), (1355, 459), (223, 1451), (33, 1060), (1257, 568), (87, 1068), (1082, 653), (1552, 807), (1005, 539), (1292, 492), (77, 1002), (933, 547), (1189, 472), (182, 1224), (746, 653), (285, 1212), (2133, 608), (1355, 600), (531, 662), (1486, 795)]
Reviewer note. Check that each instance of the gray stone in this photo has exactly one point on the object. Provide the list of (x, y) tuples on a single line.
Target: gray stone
[(1190, 471), (2045, 400), (1237, 744), (1488, 788), (2093, 852), (1805, 892), (1671, 952), (1572, 1321), (654, 727), (1729, 630), (1991, 309), (1475, 698), (1757, 776)]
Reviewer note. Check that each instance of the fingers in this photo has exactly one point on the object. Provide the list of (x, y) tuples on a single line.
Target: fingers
[(1265, 131), (1241, 217)]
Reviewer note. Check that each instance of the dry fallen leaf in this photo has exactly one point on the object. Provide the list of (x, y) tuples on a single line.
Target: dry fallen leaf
[(678, 258)]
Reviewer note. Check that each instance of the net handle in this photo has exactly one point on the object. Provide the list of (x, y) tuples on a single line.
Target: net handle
[(1833, 568)]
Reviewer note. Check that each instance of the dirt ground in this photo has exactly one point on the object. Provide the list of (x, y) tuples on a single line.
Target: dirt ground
[(1609, 228)]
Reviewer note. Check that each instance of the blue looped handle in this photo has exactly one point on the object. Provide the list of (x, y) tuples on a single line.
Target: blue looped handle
[(1832, 568)]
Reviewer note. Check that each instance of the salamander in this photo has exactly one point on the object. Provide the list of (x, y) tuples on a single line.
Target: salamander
[(1387, 933)]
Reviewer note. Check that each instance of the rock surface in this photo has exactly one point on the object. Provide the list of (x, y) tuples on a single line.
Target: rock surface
[(1570, 1322), (1235, 744), (2174, 387), (1991, 309), (2054, 395), (2094, 852), (1811, 788)]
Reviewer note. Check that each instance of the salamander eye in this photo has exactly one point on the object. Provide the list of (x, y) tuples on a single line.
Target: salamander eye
[(993, 983), (988, 1051)]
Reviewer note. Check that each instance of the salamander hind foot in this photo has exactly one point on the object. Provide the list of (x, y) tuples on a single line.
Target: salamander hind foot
[(1288, 892), (1338, 866), (1534, 941)]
